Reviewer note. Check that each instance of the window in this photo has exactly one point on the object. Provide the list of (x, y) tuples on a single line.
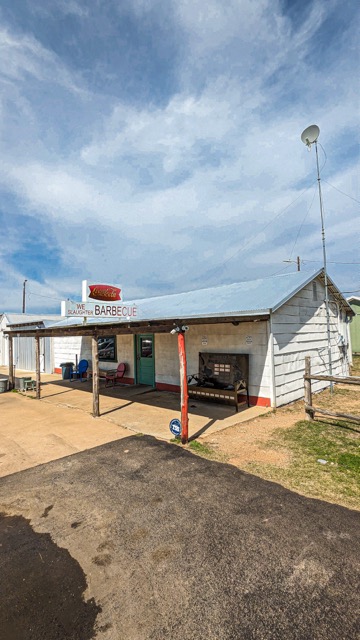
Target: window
[(107, 349), (146, 347)]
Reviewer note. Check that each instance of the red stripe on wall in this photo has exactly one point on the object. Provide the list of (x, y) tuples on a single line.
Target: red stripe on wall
[(255, 401)]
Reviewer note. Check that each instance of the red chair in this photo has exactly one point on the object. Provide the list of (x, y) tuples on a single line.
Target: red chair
[(115, 374)]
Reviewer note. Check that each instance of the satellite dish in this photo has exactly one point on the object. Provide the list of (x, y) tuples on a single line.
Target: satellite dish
[(310, 135)]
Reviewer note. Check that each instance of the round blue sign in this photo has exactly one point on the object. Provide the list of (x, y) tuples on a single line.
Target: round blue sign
[(175, 427)]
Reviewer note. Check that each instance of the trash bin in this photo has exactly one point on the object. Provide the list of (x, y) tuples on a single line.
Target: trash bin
[(22, 383), (66, 368), (4, 382)]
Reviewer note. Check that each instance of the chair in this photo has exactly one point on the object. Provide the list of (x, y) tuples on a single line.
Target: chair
[(79, 371), (115, 374)]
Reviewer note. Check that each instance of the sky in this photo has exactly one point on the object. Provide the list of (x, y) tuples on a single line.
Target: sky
[(156, 144)]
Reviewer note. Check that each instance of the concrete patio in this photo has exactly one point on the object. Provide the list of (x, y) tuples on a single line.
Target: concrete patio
[(33, 432)]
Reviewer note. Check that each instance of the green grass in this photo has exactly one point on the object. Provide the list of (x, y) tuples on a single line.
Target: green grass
[(307, 442), (203, 450)]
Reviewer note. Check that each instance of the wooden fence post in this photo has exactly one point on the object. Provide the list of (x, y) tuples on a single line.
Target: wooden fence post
[(37, 365), (309, 413), (95, 375), (11, 364)]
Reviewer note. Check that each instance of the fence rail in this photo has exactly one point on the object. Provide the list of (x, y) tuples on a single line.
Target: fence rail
[(310, 410)]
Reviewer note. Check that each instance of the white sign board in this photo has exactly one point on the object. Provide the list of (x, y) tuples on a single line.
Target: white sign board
[(98, 310)]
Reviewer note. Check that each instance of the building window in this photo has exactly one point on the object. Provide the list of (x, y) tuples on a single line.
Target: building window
[(107, 349)]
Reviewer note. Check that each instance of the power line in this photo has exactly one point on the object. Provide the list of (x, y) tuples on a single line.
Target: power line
[(330, 261), (39, 295)]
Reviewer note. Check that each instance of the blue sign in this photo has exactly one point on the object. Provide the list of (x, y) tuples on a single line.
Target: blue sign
[(175, 427)]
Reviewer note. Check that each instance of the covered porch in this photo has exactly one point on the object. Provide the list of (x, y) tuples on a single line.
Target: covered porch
[(138, 408)]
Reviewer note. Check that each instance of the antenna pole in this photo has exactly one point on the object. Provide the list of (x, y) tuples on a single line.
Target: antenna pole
[(325, 268), (23, 304)]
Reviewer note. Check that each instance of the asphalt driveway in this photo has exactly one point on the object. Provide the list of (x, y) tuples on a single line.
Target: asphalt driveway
[(138, 539)]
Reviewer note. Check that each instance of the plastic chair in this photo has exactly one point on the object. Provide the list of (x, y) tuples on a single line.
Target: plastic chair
[(79, 371), (115, 374)]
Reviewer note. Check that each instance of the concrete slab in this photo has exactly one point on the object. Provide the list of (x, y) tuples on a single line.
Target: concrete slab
[(33, 432), (142, 409)]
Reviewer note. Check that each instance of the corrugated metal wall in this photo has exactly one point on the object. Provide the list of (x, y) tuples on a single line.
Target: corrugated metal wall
[(24, 354)]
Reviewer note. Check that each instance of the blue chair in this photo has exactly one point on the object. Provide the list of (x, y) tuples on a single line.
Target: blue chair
[(79, 371)]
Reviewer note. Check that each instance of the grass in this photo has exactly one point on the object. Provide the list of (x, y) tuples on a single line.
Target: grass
[(355, 369), (337, 443), (202, 450)]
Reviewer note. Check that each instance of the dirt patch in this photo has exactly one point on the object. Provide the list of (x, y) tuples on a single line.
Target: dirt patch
[(44, 587), (248, 442)]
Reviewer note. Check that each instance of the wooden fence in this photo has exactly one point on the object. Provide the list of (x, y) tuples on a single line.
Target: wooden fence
[(310, 410)]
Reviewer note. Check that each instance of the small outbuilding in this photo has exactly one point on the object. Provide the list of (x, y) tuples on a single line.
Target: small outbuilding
[(354, 302), (23, 348)]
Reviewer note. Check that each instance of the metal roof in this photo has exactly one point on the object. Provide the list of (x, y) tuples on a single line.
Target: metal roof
[(250, 298), (29, 318)]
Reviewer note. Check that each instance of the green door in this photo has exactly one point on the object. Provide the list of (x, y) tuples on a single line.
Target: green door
[(145, 359)]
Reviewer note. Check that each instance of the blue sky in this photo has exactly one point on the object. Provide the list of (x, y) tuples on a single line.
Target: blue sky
[(156, 143)]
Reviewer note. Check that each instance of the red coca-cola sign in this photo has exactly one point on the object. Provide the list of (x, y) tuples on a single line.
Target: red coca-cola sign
[(106, 292)]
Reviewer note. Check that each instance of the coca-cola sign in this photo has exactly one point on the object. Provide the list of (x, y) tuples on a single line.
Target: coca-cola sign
[(105, 292)]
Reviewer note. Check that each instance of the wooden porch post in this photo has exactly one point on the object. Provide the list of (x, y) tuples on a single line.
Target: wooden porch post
[(37, 364), (11, 364), (309, 414), (183, 388), (95, 375)]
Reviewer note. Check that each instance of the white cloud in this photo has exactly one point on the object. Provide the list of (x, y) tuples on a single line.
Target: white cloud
[(208, 168)]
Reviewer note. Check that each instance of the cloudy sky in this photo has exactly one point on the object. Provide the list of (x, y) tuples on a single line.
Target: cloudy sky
[(156, 144)]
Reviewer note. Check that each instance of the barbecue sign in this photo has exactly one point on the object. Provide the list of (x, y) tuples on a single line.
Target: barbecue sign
[(99, 301), (98, 310)]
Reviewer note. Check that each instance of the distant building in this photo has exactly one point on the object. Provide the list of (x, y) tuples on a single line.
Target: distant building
[(354, 302), (24, 354)]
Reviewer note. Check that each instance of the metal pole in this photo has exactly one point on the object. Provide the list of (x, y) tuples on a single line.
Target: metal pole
[(23, 305), (183, 388), (325, 269)]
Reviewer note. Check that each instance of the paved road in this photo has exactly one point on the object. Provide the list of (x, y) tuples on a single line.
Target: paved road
[(171, 546)]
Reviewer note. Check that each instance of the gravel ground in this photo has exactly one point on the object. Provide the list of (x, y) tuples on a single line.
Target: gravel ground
[(138, 539)]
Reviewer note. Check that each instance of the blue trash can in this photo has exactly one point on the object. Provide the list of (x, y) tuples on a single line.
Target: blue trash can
[(66, 369)]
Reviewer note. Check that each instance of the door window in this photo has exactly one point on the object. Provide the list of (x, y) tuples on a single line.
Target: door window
[(146, 348)]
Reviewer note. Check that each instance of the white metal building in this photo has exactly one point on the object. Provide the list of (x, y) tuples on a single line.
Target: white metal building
[(277, 321), (24, 354)]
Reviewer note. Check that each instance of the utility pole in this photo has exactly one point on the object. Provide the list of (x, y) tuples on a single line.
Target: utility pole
[(24, 290), (298, 263)]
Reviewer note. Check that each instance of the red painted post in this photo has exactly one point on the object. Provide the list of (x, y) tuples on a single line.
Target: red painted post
[(184, 389)]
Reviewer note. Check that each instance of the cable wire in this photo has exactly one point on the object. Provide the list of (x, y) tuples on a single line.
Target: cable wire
[(343, 192)]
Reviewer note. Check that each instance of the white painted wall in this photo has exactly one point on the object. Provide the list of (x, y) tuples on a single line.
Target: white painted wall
[(66, 349), (219, 338), (300, 329)]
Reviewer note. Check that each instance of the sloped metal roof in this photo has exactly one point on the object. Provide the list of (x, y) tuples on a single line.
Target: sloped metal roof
[(29, 318), (250, 298)]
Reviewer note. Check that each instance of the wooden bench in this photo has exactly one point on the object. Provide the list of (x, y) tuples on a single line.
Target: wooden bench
[(221, 377)]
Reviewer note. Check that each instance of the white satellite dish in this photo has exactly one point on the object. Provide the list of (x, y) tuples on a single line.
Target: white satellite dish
[(310, 135)]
